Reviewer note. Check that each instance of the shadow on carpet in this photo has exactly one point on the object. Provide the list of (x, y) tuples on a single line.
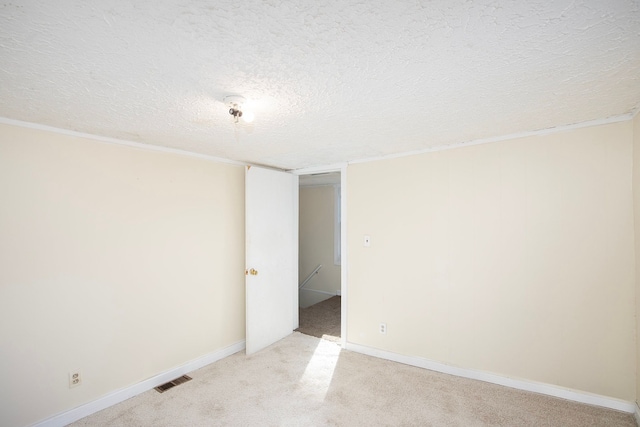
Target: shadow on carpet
[(322, 320)]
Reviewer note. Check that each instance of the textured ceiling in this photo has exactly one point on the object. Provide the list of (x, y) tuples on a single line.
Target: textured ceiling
[(329, 81)]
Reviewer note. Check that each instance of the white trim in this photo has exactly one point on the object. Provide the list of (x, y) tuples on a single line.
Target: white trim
[(295, 295), (123, 394), (116, 141), (337, 228), (536, 387), (324, 168), (541, 132), (636, 414), (344, 264), (336, 167)]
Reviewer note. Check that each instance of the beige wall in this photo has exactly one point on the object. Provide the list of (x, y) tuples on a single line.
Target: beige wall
[(119, 262), (636, 205), (515, 258), (316, 236)]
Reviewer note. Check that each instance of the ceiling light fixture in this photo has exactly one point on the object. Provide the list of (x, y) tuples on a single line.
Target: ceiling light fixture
[(235, 104)]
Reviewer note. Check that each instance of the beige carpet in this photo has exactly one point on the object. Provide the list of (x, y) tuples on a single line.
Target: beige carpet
[(306, 381), (321, 320)]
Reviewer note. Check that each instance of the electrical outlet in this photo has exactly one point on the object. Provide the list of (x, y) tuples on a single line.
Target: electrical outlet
[(75, 378), (383, 328)]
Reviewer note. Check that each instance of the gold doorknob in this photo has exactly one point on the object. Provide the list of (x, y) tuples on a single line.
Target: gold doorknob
[(253, 272)]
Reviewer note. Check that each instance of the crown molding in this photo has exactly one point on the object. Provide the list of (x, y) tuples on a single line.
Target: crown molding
[(541, 132), (116, 141)]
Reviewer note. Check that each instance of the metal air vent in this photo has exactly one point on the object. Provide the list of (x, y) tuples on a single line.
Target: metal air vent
[(166, 386)]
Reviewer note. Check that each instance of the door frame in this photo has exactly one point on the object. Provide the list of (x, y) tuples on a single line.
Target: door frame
[(342, 168)]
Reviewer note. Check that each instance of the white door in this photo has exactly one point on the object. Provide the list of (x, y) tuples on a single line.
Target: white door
[(271, 205)]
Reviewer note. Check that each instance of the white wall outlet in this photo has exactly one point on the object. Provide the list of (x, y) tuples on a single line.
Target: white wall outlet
[(383, 328), (367, 241), (75, 378)]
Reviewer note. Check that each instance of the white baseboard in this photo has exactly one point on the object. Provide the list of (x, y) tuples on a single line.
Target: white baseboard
[(636, 415), (542, 388), (123, 394), (318, 292)]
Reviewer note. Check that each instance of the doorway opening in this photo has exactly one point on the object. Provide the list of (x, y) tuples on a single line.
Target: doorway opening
[(320, 255)]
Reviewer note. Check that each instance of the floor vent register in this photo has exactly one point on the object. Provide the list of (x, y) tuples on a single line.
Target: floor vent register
[(171, 384)]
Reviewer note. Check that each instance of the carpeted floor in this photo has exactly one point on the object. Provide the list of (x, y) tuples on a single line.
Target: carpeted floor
[(322, 320), (306, 381)]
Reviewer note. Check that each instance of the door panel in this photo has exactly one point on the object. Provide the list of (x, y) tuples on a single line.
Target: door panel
[(271, 205)]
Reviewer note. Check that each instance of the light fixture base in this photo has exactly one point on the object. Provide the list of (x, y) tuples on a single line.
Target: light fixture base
[(234, 101), (235, 104)]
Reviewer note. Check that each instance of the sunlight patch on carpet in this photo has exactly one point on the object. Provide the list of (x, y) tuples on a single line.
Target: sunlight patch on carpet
[(319, 371)]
